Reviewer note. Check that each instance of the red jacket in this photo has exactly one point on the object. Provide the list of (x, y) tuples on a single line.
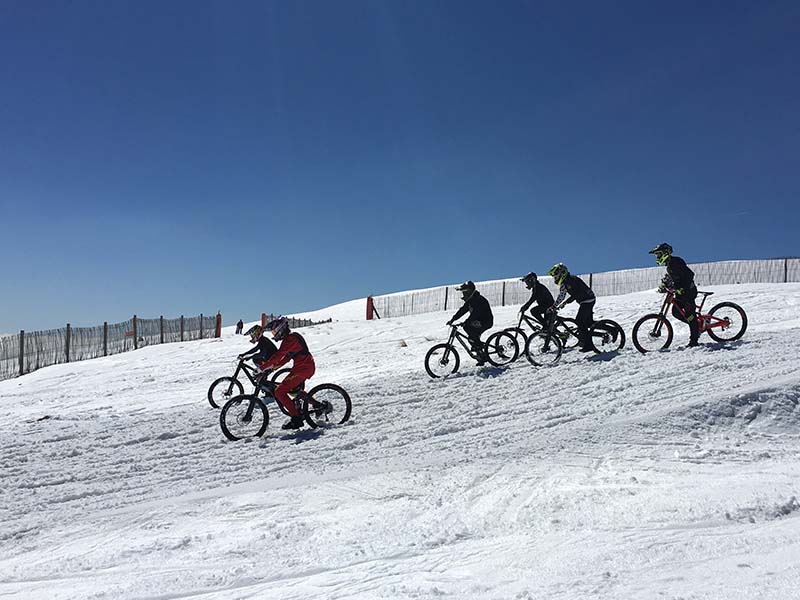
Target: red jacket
[(293, 347)]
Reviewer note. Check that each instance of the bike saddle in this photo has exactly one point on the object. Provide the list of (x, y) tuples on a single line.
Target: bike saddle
[(705, 293), (299, 388)]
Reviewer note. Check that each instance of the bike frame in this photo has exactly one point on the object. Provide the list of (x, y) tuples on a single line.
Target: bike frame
[(462, 338), (704, 321)]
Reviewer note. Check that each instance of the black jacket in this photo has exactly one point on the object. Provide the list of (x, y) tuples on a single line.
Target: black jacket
[(264, 349), (679, 275), (479, 310), (576, 289), (541, 295)]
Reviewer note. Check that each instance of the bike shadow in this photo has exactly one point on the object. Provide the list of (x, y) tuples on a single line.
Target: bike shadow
[(717, 346)]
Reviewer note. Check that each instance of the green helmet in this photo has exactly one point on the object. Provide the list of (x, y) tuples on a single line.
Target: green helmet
[(559, 273), (662, 252)]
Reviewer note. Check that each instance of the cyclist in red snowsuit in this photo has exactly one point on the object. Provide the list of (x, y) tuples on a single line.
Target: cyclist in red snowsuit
[(293, 347)]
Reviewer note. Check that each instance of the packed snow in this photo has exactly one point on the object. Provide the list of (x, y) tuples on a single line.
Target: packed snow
[(667, 475)]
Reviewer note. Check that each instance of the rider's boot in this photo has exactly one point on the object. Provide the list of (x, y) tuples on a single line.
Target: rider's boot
[(293, 423)]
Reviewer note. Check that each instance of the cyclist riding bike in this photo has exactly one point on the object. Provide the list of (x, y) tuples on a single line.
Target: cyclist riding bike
[(293, 347), (263, 350), (680, 278), (540, 295), (480, 317), (574, 289)]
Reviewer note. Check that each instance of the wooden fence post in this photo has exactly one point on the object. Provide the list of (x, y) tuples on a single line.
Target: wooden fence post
[(22, 352), (181, 327), (445, 296), (66, 342), (105, 338), (590, 281), (201, 326), (135, 334), (161, 324), (218, 332), (785, 270), (370, 309), (263, 319), (503, 301)]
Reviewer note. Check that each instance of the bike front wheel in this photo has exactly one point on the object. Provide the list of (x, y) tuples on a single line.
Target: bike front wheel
[(223, 389), (652, 333), (326, 404), (501, 348), (441, 360), (569, 333), (543, 349), (607, 336), (243, 416), (735, 322), (520, 337)]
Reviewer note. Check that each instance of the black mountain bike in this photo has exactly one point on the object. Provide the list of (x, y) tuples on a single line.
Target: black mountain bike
[(501, 348), (246, 415), (606, 336), (565, 328), (226, 388)]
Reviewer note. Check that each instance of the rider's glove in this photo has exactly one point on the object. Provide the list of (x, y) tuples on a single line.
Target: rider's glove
[(679, 291), (662, 289)]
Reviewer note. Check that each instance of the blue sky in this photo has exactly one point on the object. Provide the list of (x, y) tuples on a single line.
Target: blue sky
[(185, 157)]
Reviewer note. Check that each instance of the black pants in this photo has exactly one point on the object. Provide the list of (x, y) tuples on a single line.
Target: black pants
[(585, 319), (538, 313), (474, 329), (687, 303)]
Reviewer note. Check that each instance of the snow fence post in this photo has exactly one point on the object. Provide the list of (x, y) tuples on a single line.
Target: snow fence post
[(105, 338), (218, 332), (445, 296), (161, 326), (503, 300), (370, 309), (66, 342), (22, 352), (201, 326), (181, 327), (135, 334)]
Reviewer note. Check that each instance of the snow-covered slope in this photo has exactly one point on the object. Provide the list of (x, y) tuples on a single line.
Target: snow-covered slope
[(669, 475)]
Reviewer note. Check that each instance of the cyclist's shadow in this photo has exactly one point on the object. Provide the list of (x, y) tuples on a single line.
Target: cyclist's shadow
[(604, 356), (302, 435)]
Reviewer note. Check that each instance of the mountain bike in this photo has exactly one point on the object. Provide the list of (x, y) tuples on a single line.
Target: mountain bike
[(565, 328), (246, 415), (500, 349), (606, 335), (226, 388), (725, 322)]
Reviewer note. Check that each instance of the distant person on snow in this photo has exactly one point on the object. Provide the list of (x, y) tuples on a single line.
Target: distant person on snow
[(239, 327), (293, 347), (679, 278), (263, 350), (480, 317), (540, 295), (573, 288)]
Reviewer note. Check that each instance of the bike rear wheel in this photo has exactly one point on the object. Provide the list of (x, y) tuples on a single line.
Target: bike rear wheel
[(501, 348), (223, 389), (280, 375), (243, 416), (735, 317), (325, 405), (442, 360), (606, 336), (543, 349), (652, 333)]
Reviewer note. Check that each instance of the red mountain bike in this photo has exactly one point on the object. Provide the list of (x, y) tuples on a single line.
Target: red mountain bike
[(726, 322)]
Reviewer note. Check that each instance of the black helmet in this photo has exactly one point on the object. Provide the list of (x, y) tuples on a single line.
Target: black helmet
[(279, 328), (254, 332), (530, 280), (663, 251), (467, 289)]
